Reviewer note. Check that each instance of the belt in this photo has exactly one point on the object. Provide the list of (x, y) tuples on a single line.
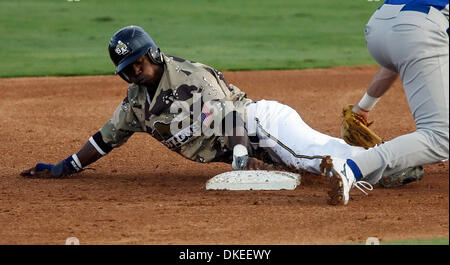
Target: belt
[(414, 7), (418, 8)]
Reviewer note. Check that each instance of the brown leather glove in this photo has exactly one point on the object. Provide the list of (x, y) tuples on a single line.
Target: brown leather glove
[(355, 129)]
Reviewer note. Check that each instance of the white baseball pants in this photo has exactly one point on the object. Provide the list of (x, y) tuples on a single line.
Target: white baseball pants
[(290, 136)]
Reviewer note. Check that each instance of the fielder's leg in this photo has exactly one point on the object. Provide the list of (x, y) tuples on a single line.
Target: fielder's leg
[(417, 47)]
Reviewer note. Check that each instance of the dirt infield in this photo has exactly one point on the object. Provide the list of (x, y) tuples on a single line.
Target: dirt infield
[(142, 193)]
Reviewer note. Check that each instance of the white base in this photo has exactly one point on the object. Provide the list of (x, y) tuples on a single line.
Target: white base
[(254, 180)]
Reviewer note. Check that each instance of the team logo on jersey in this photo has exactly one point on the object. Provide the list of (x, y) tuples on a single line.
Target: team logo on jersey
[(121, 48)]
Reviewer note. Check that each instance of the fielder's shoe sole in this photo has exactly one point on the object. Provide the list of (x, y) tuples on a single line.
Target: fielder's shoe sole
[(336, 190), (342, 181), (402, 178)]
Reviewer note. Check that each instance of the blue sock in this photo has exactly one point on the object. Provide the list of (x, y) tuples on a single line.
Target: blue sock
[(355, 169)]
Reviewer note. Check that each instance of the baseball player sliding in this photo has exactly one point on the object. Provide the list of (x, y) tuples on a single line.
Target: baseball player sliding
[(190, 108), (407, 38)]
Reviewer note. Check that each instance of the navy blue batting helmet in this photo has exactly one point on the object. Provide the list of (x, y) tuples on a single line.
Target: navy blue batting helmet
[(129, 44)]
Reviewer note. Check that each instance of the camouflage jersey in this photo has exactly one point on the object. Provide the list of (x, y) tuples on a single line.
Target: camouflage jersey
[(178, 110)]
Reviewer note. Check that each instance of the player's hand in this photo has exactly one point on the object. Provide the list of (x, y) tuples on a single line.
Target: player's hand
[(362, 112), (256, 164), (355, 129), (41, 170)]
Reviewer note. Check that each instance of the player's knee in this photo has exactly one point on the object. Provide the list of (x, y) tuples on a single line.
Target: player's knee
[(443, 137), (444, 147), (438, 140)]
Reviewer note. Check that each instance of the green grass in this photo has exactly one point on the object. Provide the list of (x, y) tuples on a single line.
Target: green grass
[(57, 37)]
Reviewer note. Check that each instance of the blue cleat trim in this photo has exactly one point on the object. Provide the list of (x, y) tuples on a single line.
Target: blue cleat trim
[(355, 169)]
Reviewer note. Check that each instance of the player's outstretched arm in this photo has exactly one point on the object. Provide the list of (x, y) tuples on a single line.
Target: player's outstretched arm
[(75, 163), (381, 83), (355, 125), (239, 142)]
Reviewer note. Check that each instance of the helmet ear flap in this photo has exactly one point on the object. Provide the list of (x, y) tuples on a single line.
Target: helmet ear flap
[(124, 76), (155, 56)]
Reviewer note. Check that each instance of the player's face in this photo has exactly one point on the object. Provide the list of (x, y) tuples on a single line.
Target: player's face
[(143, 72)]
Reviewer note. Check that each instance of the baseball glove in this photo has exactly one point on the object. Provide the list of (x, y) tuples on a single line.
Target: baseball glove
[(355, 129)]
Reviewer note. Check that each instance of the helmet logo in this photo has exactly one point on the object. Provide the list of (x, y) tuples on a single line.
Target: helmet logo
[(121, 48)]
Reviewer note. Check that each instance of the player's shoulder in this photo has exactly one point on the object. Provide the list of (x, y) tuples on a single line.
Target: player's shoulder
[(187, 68), (185, 77), (133, 90), (136, 95)]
